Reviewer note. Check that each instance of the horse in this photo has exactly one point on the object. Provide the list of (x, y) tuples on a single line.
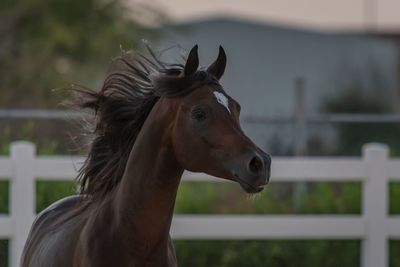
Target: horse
[(151, 121)]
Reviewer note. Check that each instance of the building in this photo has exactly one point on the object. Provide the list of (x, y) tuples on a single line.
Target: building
[(264, 62)]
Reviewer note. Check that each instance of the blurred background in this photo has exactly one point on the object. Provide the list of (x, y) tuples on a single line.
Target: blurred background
[(314, 78)]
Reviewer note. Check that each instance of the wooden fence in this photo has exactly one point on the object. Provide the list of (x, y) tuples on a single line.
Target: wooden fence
[(374, 226)]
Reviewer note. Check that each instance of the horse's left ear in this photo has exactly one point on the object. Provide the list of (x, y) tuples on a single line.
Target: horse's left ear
[(217, 69), (192, 62)]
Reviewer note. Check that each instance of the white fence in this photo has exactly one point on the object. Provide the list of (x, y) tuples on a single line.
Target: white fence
[(374, 226)]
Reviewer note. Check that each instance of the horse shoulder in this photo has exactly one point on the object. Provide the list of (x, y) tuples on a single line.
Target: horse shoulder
[(60, 221)]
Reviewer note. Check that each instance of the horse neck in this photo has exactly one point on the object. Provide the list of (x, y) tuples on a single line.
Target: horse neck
[(146, 195)]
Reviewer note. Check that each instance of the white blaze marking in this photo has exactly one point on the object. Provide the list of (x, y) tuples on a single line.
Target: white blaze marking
[(222, 99)]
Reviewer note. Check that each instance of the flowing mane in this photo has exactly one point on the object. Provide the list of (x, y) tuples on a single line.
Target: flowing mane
[(132, 86)]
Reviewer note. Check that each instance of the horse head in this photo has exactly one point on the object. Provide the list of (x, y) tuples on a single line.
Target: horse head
[(205, 132)]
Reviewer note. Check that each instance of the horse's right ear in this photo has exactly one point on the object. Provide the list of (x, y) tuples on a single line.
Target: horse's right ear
[(192, 62)]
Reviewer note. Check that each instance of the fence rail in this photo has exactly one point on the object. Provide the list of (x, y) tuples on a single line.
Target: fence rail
[(318, 118), (374, 226)]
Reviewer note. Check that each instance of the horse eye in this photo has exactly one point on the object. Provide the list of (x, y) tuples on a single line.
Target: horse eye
[(199, 114)]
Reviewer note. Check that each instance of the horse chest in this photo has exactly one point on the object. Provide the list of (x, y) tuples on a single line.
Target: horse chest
[(118, 252)]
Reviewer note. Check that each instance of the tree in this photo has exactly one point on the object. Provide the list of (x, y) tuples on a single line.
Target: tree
[(47, 44)]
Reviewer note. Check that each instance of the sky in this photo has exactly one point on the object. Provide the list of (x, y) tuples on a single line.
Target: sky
[(379, 15)]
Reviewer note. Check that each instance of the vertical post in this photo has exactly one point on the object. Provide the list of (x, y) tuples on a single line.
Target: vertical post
[(300, 137), (22, 197), (375, 206)]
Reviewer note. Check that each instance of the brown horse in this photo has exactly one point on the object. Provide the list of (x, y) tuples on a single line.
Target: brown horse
[(153, 120)]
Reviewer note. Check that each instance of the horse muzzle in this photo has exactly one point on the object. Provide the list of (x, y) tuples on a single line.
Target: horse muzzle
[(253, 171)]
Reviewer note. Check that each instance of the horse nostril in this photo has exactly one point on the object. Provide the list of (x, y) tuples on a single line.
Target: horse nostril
[(256, 165)]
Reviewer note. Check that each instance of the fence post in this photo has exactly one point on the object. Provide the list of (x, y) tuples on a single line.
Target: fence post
[(375, 206), (300, 137), (300, 127), (22, 197)]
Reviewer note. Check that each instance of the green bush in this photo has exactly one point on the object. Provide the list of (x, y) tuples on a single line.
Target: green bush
[(277, 198), (394, 196), (352, 136), (4, 196), (394, 253), (3, 252), (299, 253), (322, 198), (48, 192)]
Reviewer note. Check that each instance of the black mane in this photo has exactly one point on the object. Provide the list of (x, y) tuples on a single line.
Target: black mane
[(132, 86)]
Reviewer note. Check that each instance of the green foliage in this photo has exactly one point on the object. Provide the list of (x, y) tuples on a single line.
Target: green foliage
[(4, 196), (5, 138), (268, 253), (354, 101), (4, 252), (217, 198), (394, 252), (48, 192), (352, 136), (48, 44), (50, 137), (326, 198), (322, 198), (394, 196)]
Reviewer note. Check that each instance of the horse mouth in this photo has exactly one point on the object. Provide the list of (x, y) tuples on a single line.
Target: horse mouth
[(251, 189)]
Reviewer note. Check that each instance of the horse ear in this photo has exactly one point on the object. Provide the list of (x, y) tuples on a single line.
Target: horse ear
[(192, 62), (217, 69)]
